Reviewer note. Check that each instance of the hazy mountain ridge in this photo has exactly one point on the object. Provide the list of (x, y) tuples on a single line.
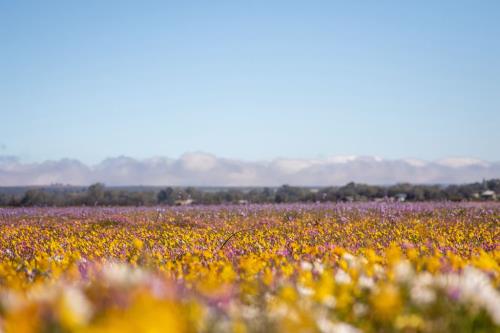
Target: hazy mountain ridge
[(203, 169)]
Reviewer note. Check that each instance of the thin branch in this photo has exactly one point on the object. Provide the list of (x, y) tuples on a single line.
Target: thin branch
[(232, 235)]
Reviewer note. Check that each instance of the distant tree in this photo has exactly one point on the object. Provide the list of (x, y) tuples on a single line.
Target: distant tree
[(493, 185), (98, 194), (166, 196), (4, 199), (287, 193), (95, 194), (35, 197), (348, 192)]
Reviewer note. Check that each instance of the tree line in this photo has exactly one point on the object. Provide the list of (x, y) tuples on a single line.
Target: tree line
[(99, 195)]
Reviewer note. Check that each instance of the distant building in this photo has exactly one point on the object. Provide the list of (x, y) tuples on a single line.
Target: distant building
[(400, 197), (243, 202), (488, 195), (185, 202), (349, 198)]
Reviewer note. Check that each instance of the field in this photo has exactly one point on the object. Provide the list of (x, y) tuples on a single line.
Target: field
[(372, 267)]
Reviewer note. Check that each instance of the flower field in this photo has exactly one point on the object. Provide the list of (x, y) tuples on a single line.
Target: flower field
[(371, 267)]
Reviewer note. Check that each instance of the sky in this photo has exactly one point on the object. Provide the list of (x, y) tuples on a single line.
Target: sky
[(248, 81)]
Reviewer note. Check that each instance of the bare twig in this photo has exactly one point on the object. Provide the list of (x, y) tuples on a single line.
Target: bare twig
[(232, 235), (158, 216)]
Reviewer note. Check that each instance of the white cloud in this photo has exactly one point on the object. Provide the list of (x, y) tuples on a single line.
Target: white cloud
[(292, 166), (415, 162), (341, 158), (459, 162), (198, 162), (202, 169)]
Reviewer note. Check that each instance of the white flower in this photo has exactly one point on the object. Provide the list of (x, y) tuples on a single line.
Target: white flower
[(351, 260), (304, 291), (341, 277), (77, 304), (279, 311), (9, 253), (359, 309), (329, 301), (327, 326), (10, 300), (378, 270), (121, 274), (422, 295), (403, 271), (43, 294), (473, 286), (306, 265), (424, 279), (249, 312), (366, 282), (421, 291), (57, 258), (318, 267)]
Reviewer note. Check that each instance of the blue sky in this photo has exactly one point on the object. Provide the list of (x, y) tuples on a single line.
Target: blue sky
[(249, 80)]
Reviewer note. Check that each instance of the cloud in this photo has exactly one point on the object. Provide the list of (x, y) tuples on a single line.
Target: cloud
[(459, 162), (203, 169)]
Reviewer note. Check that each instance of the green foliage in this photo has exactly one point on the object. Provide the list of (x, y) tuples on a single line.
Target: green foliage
[(100, 195)]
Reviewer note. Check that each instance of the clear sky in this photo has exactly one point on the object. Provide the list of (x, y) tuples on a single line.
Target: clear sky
[(250, 80)]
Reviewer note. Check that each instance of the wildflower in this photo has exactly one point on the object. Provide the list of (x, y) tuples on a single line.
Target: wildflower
[(327, 326), (412, 322), (306, 266), (403, 271), (386, 302), (421, 291), (366, 282), (341, 277), (74, 308), (138, 244)]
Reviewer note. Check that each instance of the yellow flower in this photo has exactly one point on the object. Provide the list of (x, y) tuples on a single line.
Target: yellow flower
[(412, 322), (386, 302), (138, 244)]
